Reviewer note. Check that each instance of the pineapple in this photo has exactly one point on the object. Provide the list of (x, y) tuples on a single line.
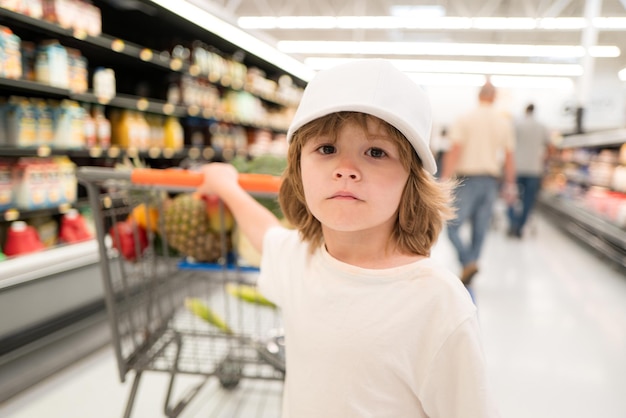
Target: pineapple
[(188, 229)]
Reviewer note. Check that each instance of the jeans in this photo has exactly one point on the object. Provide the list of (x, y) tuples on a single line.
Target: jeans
[(474, 199), (528, 187)]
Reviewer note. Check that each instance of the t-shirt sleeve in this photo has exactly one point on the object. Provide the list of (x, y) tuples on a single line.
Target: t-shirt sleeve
[(456, 383)]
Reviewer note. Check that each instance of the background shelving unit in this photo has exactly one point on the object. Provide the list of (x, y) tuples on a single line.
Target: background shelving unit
[(139, 44), (583, 193)]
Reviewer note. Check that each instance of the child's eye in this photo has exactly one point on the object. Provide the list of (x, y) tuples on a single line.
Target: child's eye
[(376, 153), (326, 149)]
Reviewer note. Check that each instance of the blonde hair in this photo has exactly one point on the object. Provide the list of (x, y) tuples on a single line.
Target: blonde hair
[(424, 207)]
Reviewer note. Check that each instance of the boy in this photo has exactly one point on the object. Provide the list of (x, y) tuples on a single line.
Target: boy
[(373, 326)]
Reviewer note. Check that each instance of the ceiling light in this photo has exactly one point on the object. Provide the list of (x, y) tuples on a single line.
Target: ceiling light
[(426, 21), (622, 74), (430, 79), (610, 22), (237, 37), (504, 23), (442, 49), (464, 67)]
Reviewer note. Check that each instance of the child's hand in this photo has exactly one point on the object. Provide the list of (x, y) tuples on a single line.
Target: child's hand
[(218, 177)]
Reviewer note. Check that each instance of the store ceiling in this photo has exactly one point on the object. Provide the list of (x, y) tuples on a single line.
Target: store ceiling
[(537, 9)]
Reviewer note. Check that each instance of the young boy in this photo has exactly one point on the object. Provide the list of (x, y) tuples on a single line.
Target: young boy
[(373, 326)]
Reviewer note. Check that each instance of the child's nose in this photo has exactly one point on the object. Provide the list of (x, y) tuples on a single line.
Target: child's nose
[(347, 169)]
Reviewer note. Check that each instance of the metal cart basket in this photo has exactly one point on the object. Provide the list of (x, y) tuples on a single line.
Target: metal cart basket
[(148, 289)]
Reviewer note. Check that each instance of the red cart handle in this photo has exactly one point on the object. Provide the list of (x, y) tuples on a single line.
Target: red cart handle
[(260, 183)]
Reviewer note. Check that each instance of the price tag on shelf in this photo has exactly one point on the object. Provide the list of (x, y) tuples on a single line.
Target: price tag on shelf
[(207, 113), (193, 110), (154, 152), (142, 104), (44, 151), (208, 153), (11, 215), (80, 34), (132, 152), (168, 108), (176, 64), (146, 54), (65, 207), (194, 153), (113, 152), (194, 70), (118, 45), (95, 152)]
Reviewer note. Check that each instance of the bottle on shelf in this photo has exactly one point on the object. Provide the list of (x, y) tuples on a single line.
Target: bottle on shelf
[(103, 127), (89, 129), (22, 239), (73, 228), (174, 134)]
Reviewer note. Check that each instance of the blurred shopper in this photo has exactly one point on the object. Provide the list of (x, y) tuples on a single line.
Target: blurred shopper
[(479, 140), (532, 141)]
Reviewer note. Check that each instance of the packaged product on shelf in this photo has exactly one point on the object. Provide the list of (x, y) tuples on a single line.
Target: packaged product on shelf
[(104, 84), (53, 183), (103, 126), (62, 12), (142, 132), (20, 122), (69, 130), (73, 228), (174, 134), (67, 179), (78, 78), (89, 129), (33, 8), (43, 122), (31, 186), (7, 185), (51, 64), (22, 239), (29, 56), (157, 131), (47, 229), (4, 140), (10, 54)]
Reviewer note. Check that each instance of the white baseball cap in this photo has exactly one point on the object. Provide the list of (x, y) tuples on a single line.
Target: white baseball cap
[(375, 87)]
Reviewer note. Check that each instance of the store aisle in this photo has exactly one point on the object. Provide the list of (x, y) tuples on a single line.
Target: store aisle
[(554, 322)]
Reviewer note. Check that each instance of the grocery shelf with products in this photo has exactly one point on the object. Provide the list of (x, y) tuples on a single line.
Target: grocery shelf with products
[(165, 90), (100, 83), (585, 187)]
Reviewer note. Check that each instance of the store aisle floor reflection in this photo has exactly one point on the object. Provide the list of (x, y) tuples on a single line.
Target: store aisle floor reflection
[(553, 316)]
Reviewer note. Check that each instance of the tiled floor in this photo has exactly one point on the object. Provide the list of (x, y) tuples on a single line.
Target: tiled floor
[(553, 316)]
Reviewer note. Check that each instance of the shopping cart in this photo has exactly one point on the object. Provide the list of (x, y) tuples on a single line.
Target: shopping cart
[(148, 290)]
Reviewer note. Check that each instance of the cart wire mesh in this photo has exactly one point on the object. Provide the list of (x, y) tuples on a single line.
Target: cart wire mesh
[(146, 289)]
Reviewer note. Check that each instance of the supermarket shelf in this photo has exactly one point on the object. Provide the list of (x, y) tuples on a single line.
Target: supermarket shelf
[(28, 267), (614, 137), (606, 237)]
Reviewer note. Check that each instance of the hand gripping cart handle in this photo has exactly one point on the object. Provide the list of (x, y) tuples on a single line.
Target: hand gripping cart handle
[(164, 317)]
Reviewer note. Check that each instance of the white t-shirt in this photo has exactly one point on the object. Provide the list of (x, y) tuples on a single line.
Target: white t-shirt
[(398, 342)]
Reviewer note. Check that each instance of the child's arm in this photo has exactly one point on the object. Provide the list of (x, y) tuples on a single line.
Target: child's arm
[(252, 217)]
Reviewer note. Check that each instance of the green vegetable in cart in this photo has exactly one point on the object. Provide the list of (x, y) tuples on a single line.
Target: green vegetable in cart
[(249, 294), (129, 239), (201, 310)]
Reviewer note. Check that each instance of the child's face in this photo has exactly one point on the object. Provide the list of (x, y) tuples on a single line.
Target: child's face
[(355, 183)]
